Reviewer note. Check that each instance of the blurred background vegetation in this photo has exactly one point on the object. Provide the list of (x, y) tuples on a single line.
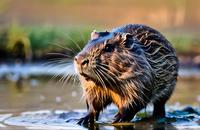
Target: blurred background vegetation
[(39, 24), (31, 29)]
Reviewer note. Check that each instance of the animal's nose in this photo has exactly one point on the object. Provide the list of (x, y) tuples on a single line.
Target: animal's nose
[(81, 60)]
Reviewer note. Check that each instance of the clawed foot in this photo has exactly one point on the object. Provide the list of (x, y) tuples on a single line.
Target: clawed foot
[(123, 117), (118, 118), (85, 120)]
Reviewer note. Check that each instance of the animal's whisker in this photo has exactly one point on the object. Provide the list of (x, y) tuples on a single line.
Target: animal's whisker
[(108, 72), (58, 44), (78, 47), (99, 77), (82, 37), (109, 66), (114, 83), (56, 64), (66, 60), (60, 54)]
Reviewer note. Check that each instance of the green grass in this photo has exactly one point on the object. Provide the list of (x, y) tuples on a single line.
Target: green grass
[(185, 43), (43, 39)]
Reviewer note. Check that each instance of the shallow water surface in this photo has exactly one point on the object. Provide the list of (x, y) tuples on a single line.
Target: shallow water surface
[(41, 103)]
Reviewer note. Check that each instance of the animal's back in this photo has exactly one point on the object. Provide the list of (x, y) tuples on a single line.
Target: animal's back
[(160, 55)]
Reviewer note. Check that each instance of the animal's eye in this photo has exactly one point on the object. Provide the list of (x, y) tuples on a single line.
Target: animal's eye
[(109, 48)]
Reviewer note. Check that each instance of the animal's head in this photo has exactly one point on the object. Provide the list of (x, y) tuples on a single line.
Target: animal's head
[(109, 58)]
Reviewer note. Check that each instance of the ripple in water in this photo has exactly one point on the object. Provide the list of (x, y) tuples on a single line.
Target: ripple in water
[(185, 118)]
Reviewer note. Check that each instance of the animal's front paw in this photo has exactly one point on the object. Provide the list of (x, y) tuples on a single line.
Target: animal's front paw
[(125, 117), (86, 120), (118, 118)]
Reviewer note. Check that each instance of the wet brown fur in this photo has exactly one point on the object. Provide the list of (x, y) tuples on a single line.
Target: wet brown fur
[(131, 77)]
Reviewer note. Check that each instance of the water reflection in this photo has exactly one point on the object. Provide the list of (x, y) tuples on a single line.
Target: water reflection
[(141, 125), (31, 93), (19, 84), (187, 117)]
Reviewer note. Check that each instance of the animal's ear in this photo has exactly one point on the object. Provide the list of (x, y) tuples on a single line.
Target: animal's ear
[(126, 36), (127, 40), (94, 35)]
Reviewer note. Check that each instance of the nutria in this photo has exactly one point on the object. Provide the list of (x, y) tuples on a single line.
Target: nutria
[(130, 66)]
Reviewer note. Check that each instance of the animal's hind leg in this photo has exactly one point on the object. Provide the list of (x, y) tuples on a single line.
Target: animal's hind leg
[(159, 110), (159, 107)]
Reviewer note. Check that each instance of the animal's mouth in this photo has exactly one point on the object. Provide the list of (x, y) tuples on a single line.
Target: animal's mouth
[(85, 76)]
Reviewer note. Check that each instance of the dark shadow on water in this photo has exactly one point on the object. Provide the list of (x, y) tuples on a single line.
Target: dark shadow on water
[(187, 116), (146, 124), (134, 127), (184, 118)]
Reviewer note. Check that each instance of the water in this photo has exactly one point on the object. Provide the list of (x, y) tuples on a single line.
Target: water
[(58, 119), (26, 70), (42, 103)]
